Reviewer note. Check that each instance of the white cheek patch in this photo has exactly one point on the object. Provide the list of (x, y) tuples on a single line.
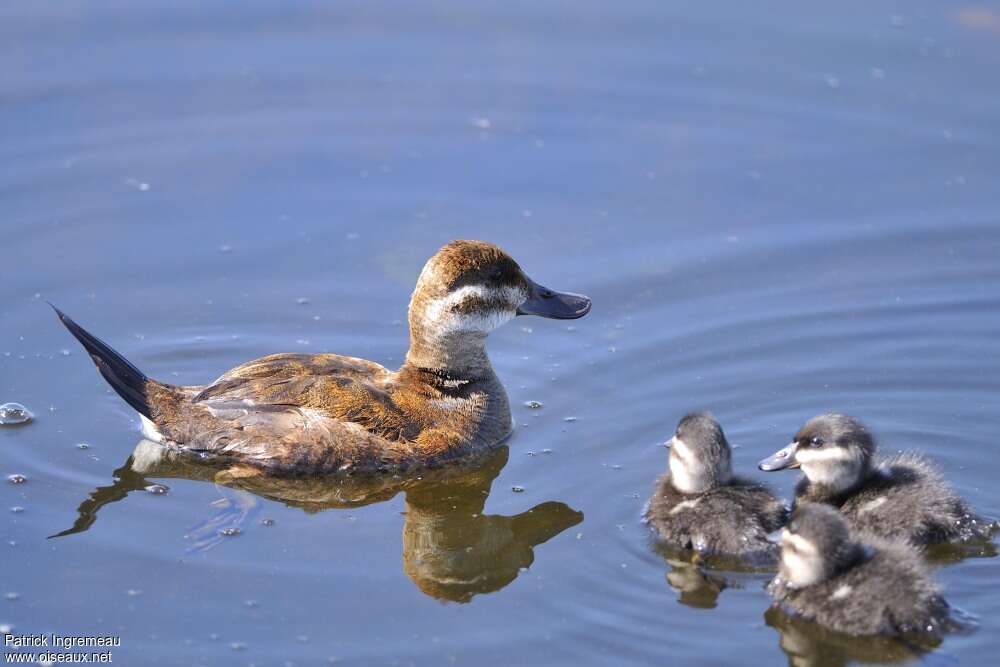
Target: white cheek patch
[(805, 456), (834, 467), (801, 566), (682, 477), (441, 317), (680, 447)]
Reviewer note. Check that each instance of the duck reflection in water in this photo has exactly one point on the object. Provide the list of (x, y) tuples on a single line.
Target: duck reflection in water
[(699, 580), (809, 644), (451, 550)]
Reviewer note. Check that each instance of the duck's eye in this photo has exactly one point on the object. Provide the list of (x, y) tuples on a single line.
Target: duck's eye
[(496, 275), (816, 441)]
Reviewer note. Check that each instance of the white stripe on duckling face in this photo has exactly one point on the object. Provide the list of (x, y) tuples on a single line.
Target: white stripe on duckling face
[(834, 467), (801, 562), (441, 317), (689, 473)]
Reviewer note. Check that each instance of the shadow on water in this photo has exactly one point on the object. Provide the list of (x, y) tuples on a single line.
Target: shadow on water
[(699, 580), (808, 644), (451, 550)]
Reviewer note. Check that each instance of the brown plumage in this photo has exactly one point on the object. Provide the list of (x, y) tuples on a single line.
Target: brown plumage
[(304, 414)]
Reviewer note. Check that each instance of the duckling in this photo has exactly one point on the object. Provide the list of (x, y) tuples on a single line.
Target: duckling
[(899, 497), (863, 586), (322, 413), (700, 505)]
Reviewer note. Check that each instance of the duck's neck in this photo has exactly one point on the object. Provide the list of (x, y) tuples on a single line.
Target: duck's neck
[(459, 356)]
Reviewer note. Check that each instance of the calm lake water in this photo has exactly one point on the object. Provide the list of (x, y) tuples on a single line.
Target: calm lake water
[(777, 209)]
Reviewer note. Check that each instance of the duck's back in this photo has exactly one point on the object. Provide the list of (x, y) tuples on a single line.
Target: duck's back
[(907, 498), (889, 593), (732, 520), (318, 413)]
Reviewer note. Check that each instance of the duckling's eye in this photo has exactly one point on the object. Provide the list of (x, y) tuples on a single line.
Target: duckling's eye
[(495, 275), (816, 441)]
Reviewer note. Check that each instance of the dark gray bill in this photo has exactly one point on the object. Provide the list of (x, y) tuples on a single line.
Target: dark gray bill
[(545, 302), (781, 459)]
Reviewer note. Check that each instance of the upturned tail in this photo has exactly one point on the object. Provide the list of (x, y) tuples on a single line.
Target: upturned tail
[(127, 380)]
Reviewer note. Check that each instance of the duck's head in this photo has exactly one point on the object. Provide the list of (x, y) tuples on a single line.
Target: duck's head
[(700, 456), (468, 289), (815, 545), (833, 450)]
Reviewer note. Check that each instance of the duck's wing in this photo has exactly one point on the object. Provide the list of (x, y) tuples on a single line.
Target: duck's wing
[(255, 380), (291, 411)]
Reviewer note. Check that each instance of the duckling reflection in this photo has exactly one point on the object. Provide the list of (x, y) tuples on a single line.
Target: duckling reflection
[(808, 644), (699, 580), (451, 550)]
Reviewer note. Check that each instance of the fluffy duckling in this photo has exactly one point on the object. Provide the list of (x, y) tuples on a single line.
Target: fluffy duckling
[(322, 413), (875, 587), (898, 497), (700, 505)]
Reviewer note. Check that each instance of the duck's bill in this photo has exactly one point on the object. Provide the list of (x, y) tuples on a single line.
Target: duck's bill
[(781, 459), (545, 302)]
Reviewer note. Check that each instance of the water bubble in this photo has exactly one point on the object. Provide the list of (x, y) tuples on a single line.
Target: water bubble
[(230, 532), (64, 352), (225, 248), (238, 646), (546, 451), (302, 639), (17, 509), (517, 489), (133, 592), (14, 413), (533, 405), (251, 604), (17, 479), (83, 445), (157, 489), (302, 301), (482, 123), (6, 628), (13, 596), (267, 522), (569, 419)]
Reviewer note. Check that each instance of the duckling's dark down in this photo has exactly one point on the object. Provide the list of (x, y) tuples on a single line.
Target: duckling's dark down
[(700, 505), (902, 496), (314, 414), (860, 585)]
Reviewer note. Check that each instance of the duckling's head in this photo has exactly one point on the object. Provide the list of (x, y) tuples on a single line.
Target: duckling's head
[(815, 545), (833, 450), (700, 456), (468, 289)]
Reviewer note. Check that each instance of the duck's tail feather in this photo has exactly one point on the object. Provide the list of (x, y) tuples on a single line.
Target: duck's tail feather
[(124, 378)]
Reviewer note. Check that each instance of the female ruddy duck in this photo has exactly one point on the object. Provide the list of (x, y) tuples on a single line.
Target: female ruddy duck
[(700, 505), (862, 586), (900, 497), (312, 414)]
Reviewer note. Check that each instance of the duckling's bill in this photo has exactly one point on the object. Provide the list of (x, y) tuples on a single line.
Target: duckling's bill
[(781, 459)]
